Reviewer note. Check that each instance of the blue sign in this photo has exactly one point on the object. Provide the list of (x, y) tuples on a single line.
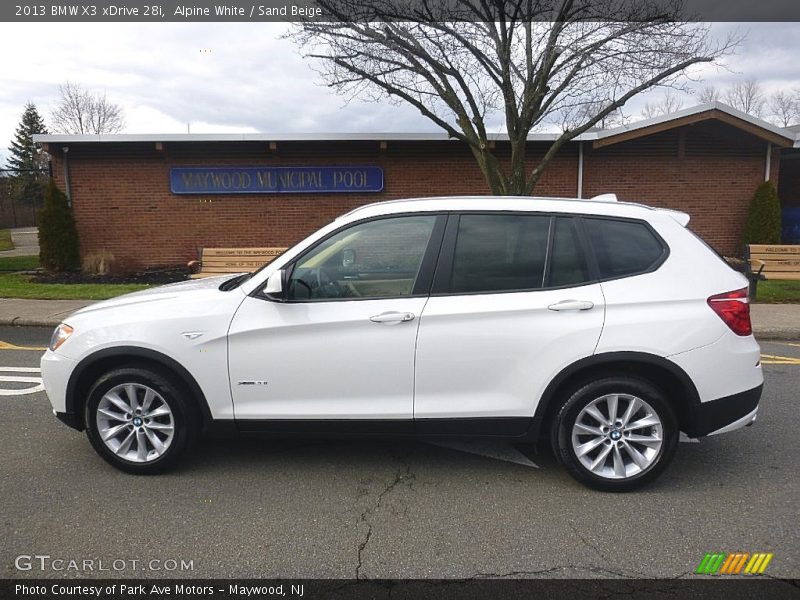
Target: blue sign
[(791, 225), (275, 180)]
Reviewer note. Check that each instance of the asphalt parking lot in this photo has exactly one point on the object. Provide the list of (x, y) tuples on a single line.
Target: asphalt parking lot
[(261, 508)]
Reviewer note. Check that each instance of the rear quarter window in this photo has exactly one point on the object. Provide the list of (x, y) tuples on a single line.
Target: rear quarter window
[(623, 248)]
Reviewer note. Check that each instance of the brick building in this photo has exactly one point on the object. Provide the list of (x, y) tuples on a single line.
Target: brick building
[(155, 200)]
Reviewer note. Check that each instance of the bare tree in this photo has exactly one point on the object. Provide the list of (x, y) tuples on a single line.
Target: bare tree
[(533, 62), (575, 118), (80, 111), (708, 94), (669, 103), (747, 96), (784, 108)]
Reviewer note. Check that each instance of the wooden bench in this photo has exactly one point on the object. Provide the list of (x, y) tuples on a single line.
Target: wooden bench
[(773, 261), (223, 261)]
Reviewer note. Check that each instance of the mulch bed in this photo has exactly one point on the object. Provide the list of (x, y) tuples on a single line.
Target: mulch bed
[(159, 277)]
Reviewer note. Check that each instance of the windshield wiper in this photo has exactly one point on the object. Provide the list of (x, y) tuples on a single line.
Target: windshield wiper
[(231, 284)]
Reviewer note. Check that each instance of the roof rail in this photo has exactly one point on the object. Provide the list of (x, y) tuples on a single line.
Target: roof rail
[(605, 198)]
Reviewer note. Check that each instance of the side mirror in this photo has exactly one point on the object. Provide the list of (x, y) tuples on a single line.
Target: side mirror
[(274, 285)]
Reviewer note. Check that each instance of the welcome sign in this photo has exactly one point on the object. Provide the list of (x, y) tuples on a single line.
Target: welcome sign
[(275, 180)]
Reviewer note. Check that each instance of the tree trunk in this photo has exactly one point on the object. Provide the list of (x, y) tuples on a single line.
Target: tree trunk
[(518, 175), (501, 183), (491, 169)]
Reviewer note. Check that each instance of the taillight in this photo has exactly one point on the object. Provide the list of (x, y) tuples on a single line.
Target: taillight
[(734, 309)]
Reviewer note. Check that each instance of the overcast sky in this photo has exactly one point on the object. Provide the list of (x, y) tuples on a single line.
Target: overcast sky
[(250, 80)]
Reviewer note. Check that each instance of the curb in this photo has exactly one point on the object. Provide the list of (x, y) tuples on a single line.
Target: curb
[(785, 335), (26, 322)]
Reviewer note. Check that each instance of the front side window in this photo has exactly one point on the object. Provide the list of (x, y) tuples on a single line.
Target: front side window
[(495, 253), (623, 247), (375, 259)]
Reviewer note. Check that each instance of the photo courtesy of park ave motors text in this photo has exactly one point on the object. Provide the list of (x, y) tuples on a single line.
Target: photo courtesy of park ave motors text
[(428, 298)]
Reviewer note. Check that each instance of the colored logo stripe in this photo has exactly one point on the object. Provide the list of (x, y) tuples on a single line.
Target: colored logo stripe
[(711, 563), (728, 561), (758, 563), (740, 564), (732, 564)]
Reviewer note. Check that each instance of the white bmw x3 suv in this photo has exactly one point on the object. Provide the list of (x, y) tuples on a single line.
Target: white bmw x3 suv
[(603, 326)]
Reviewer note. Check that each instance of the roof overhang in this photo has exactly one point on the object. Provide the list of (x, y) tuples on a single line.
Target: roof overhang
[(277, 137), (714, 111), (784, 138)]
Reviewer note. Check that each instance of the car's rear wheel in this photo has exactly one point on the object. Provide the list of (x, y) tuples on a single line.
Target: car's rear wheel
[(615, 434), (139, 420)]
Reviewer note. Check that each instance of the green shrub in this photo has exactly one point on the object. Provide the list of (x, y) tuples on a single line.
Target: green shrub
[(58, 238), (763, 225)]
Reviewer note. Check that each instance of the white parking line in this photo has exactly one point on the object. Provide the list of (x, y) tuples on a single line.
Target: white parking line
[(37, 386)]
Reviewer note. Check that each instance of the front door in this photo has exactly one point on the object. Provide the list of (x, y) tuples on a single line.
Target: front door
[(340, 344)]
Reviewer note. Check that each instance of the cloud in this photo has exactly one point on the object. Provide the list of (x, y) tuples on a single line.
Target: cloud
[(242, 77)]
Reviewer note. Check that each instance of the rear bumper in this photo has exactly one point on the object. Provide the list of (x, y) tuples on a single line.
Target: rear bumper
[(726, 414)]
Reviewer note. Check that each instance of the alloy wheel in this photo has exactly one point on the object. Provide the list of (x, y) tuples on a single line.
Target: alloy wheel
[(135, 422), (617, 436)]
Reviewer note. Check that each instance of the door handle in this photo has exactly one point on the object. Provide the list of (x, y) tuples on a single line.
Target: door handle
[(392, 317), (572, 305)]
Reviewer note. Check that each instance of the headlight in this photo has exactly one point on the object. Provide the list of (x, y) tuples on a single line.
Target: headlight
[(60, 335)]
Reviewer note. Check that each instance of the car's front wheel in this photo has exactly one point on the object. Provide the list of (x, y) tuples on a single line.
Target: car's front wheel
[(139, 420), (616, 434)]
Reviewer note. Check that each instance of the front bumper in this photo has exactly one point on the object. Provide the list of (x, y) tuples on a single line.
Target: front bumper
[(726, 414), (56, 371)]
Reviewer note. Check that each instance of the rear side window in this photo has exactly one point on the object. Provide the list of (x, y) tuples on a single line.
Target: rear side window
[(496, 253), (623, 247), (567, 266)]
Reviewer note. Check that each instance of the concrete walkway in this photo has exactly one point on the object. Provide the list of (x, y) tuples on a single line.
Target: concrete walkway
[(40, 313), (770, 321), (26, 242), (776, 321)]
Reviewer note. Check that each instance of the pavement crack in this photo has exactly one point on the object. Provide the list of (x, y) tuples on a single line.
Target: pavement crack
[(362, 546), (555, 569), (403, 475), (587, 543)]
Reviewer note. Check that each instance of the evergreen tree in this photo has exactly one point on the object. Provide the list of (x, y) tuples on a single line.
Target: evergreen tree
[(763, 224), (24, 153), (26, 160), (58, 238)]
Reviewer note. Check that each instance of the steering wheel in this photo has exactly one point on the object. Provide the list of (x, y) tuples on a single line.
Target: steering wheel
[(319, 284), (324, 286)]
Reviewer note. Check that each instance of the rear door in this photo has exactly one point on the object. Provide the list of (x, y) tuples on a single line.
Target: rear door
[(512, 304)]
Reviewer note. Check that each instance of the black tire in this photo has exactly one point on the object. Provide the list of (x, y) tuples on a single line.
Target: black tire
[(184, 416), (581, 397)]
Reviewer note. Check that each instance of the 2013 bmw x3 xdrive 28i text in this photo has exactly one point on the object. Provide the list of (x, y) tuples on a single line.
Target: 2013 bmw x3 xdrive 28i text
[(604, 326)]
